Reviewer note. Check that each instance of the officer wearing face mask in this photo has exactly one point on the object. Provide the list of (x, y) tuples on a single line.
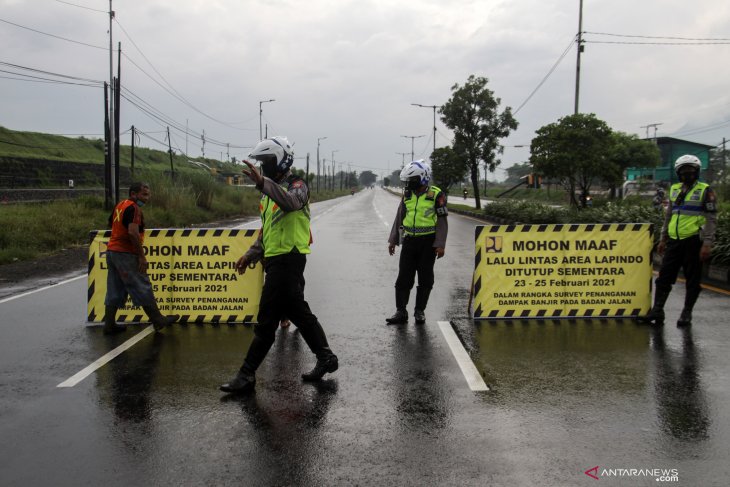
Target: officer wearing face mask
[(127, 264), (283, 244), (686, 239), (422, 215)]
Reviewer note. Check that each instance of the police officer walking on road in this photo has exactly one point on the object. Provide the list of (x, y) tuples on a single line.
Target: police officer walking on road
[(282, 245), (422, 215), (127, 264), (686, 240)]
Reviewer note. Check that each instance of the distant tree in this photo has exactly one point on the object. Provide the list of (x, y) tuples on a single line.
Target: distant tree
[(628, 150), (351, 179), (574, 151), (717, 170), (472, 113), (386, 181), (367, 178), (395, 178), (448, 168)]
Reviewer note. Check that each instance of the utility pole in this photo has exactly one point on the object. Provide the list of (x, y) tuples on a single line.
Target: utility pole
[(112, 180), (579, 41), (108, 203), (117, 124), (412, 137), (261, 111), (434, 120), (132, 161), (654, 125), (306, 174), (403, 159), (169, 151), (318, 139), (333, 168), (202, 147)]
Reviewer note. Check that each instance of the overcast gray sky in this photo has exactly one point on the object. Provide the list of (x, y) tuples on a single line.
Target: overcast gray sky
[(349, 70)]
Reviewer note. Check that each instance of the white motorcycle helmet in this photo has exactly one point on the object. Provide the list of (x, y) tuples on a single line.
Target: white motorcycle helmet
[(687, 160), (276, 156), (684, 161), (416, 169)]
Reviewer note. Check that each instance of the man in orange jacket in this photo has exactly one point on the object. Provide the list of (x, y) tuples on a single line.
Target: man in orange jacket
[(127, 264)]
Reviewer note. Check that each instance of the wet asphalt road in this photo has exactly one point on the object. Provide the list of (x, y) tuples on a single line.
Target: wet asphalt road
[(565, 396)]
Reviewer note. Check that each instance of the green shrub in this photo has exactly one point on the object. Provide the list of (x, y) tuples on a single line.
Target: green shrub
[(610, 212)]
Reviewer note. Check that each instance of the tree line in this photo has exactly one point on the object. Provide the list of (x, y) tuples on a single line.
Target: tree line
[(578, 151)]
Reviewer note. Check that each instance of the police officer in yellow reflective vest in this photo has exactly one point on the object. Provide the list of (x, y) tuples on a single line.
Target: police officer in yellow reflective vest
[(283, 245), (686, 239), (422, 216)]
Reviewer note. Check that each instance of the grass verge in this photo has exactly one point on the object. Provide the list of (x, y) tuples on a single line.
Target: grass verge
[(28, 231)]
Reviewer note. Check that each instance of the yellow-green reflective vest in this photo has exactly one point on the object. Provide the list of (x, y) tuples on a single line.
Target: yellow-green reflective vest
[(284, 231), (687, 218), (420, 218)]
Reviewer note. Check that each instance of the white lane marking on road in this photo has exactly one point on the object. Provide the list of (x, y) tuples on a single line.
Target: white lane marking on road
[(471, 374), (320, 215), (42, 289), (380, 215), (100, 362)]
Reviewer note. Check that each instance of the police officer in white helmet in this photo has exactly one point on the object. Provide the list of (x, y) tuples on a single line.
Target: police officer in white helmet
[(422, 215), (686, 239), (282, 245)]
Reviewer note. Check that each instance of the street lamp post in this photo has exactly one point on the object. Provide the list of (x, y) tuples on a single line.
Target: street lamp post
[(333, 168), (403, 158), (318, 139), (434, 120), (261, 111), (412, 137)]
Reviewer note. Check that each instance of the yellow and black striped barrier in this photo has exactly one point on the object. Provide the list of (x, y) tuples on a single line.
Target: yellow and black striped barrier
[(192, 273), (562, 271)]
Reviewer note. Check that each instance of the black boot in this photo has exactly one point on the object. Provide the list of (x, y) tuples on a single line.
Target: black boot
[(401, 301), (324, 365), (422, 295), (419, 316), (244, 382), (111, 326), (399, 318), (685, 319), (656, 313), (156, 318)]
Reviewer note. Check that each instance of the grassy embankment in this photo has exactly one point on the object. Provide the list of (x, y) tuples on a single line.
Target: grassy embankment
[(192, 197)]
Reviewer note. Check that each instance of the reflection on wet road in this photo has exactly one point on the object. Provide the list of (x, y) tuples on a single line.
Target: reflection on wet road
[(565, 396)]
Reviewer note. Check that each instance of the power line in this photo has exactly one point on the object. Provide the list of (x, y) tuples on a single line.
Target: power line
[(172, 93), (658, 37), (46, 81), (82, 6), (176, 93), (701, 130), (659, 43), (166, 120), (52, 35), (565, 52), (50, 73)]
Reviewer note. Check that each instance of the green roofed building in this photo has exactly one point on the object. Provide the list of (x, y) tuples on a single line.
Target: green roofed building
[(670, 149)]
